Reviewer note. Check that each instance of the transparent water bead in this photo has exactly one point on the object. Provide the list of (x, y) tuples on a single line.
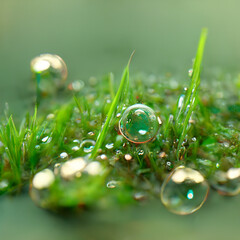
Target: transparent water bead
[(184, 191), (87, 145), (227, 183), (39, 189), (50, 71), (139, 123), (73, 168)]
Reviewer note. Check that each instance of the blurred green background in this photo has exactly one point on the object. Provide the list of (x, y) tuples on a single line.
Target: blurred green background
[(95, 37)]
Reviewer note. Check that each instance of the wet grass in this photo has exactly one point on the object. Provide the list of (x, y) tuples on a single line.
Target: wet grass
[(197, 130)]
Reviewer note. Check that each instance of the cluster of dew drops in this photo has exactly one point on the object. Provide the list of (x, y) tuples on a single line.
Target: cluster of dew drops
[(183, 191)]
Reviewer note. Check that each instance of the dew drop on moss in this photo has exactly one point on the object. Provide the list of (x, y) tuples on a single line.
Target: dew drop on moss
[(184, 191), (226, 183), (87, 145), (139, 123)]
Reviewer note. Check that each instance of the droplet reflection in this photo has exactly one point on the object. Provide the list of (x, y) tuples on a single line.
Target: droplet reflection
[(139, 123)]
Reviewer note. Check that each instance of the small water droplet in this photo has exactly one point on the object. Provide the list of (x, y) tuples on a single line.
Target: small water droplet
[(76, 85), (50, 116), (140, 152), (63, 155), (37, 147), (3, 184), (139, 196), (181, 101), (87, 145), (45, 139), (112, 184), (75, 148), (184, 191), (128, 157), (56, 169), (103, 157), (109, 145), (190, 72), (139, 123)]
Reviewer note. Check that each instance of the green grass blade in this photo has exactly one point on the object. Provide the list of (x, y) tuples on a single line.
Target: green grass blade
[(190, 99), (122, 88)]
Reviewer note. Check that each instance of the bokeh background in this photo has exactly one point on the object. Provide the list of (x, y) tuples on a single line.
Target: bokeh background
[(95, 37)]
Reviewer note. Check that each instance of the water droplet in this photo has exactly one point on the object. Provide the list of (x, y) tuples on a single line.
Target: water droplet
[(103, 157), (190, 72), (75, 148), (139, 196), (45, 139), (72, 168), (139, 123), (76, 85), (43, 179), (52, 71), (3, 184), (112, 184), (57, 168), (181, 101), (128, 157), (87, 145), (39, 189), (109, 145), (50, 116), (140, 152), (37, 147), (184, 191), (227, 183), (63, 155), (94, 168)]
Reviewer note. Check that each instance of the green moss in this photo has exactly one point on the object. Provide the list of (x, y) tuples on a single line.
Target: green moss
[(202, 132)]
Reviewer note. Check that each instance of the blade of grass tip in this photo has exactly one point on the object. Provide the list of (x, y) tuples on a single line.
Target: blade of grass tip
[(80, 109), (123, 84), (111, 84), (190, 101)]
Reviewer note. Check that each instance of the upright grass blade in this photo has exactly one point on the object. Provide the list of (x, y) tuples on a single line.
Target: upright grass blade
[(190, 99), (122, 88)]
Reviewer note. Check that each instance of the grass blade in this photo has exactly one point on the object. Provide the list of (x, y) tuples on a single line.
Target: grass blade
[(190, 99), (122, 88)]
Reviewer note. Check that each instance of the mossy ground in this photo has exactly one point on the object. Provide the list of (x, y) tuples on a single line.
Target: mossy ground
[(202, 132)]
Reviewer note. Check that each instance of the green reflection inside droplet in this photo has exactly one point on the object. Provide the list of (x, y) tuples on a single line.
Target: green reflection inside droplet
[(139, 123)]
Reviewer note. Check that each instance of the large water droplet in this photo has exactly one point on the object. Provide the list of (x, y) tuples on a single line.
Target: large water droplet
[(51, 72), (39, 189), (184, 191), (139, 123), (227, 183)]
